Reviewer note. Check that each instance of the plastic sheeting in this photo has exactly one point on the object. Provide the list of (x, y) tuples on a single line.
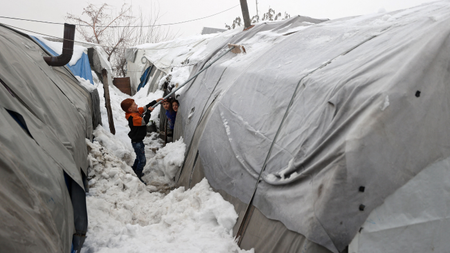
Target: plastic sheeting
[(45, 117), (359, 107)]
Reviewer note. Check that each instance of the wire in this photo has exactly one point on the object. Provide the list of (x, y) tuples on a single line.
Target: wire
[(43, 34), (118, 26), (32, 20), (94, 44), (187, 21)]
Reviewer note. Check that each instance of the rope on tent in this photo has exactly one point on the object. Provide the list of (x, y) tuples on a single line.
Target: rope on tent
[(249, 211), (202, 114)]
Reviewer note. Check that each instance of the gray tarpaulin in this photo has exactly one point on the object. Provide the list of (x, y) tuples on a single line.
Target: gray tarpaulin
[(367, 102), (419, 209), (45, 117)]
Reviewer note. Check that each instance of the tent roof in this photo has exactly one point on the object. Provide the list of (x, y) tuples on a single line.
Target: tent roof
[(166, 55)]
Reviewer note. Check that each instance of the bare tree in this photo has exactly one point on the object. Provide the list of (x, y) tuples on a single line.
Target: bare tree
[(236, 22), (116, 31), (150, 32), (270, 15)]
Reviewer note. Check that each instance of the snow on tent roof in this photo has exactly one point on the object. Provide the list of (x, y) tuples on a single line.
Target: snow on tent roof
[(188, 52), (165, 55), (335, 117)]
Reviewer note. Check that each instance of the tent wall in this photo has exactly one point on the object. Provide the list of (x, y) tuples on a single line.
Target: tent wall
[(36, 210), (155, 77), (318, 129), (415, 217), (79, 98), (178, 128), (262, 234), (45, 117), (135, 67)]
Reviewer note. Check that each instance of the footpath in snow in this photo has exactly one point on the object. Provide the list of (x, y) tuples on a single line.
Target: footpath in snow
[(126, 215)]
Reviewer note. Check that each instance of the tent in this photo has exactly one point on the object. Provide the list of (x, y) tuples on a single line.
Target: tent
[(46, 116), (328, 136), (148, 63)]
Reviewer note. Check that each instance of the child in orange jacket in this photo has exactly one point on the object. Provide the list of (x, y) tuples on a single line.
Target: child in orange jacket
[(138, 118)]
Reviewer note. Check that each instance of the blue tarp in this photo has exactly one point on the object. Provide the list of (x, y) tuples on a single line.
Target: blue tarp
[(82, 68)]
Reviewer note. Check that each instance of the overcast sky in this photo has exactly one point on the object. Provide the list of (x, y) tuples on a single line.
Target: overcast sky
[(175, 11)]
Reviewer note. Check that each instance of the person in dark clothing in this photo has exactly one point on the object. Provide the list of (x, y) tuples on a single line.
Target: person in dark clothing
[(138, 118)]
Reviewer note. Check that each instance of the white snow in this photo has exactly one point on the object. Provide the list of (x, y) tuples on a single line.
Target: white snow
[(86, 83), (125, 215)]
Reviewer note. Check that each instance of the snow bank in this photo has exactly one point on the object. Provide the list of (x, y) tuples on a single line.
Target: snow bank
[(125, 216), (161, 170)]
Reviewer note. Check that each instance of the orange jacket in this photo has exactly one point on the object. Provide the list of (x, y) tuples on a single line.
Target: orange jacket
[(137, 117), (138, 126)]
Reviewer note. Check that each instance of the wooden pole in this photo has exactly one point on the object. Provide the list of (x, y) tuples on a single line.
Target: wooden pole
[(112, 129)]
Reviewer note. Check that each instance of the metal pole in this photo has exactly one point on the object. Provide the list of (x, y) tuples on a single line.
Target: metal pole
[(245, 14)]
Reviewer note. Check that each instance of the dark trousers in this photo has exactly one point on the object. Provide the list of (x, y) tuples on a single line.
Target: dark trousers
[(139, 163)]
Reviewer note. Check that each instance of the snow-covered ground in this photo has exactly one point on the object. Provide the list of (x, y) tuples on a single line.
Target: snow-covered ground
[(126, 215)]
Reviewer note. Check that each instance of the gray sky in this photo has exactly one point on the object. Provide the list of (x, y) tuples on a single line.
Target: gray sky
[(174, 11)]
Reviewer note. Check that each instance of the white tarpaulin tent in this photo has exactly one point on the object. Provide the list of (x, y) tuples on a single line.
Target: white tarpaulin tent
[(321, 123)]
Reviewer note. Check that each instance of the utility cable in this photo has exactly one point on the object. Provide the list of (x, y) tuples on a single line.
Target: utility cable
[(84, 42), (121, 26), (32, 20)]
